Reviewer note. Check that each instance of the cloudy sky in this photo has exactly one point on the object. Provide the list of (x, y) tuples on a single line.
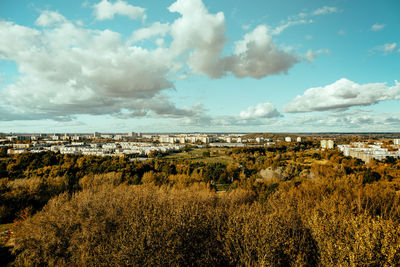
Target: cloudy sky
[(199, 65)]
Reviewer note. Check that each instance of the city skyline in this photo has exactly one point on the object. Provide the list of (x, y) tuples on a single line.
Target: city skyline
[(199, 66)]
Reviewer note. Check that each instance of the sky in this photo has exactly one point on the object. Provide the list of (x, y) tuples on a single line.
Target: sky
[(199, 66)]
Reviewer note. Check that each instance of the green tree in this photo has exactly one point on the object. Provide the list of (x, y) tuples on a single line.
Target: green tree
[(3, 151)]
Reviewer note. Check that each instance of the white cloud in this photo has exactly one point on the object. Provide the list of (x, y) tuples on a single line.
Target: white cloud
[(302, 18), (311, 55), (246, 27), (259, 115), (67, 69), (352, 120), (389, 47), (386, 48), (377, 27), (335, 121), (288, 24), (49, 18), (107, 10), (257, 56), (342, 94), (325, 10), (156, 29), (263, 110), (201, 33), (356, 120), (160, 42)]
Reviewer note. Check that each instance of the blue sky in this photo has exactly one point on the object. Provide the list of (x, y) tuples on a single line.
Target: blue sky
[(199, 65)]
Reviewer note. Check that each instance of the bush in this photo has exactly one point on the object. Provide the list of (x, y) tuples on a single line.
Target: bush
[(255, 237), (96, 180), (124, 226), (312, 223)]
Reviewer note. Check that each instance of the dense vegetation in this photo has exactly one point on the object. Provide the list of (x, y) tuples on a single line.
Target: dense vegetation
[(279, 206)]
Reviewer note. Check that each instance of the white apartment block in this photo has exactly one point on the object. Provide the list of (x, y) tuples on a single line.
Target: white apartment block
[(327, 144), (367, 152)]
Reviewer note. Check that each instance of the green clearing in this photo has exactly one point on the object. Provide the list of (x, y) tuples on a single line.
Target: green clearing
[(201, 155)]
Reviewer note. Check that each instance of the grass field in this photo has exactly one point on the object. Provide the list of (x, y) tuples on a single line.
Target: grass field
[(200, 155)]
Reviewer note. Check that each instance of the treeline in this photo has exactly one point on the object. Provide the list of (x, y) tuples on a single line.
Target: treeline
[(30, 180), (302, 223)]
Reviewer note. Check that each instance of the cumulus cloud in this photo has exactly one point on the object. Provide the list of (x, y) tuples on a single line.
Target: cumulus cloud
[(258, 115), (107, 10), (262, 110), (156, 29), (357, 119), (325, 10), (377, 27), (342, 94), (66, 69), (258, 56), (351, 120), (49, 18), (201, 33)]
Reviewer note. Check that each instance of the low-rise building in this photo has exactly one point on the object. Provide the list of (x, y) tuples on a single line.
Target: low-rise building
[(327, 144), (18, 138), (21, 146)]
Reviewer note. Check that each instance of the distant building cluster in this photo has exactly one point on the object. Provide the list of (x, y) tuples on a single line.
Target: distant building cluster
[(193, 138), (100, 144), (366, 152), (185, 138), (96, 149), (204, 138), (142, 144)]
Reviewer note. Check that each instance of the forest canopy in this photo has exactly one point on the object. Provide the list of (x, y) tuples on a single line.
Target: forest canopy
[(278, 206)]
